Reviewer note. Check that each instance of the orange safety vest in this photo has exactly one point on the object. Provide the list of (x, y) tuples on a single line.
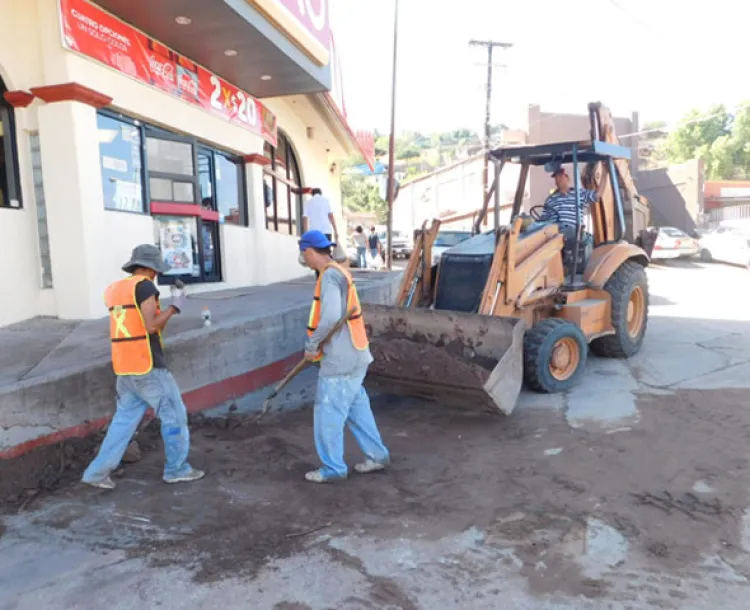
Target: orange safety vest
[(131, 350), (356, 323)]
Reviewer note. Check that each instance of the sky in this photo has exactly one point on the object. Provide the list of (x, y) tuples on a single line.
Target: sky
[(658, 57)]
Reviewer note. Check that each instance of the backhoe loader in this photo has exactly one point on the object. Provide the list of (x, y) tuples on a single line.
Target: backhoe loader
[(521, 302)]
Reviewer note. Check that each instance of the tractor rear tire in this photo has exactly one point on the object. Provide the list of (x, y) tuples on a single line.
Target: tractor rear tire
[(554, 356), (628, 291)]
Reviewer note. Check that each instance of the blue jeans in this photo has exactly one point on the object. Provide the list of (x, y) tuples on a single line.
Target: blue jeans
[(341, 400), (135, 394), (362, 257)]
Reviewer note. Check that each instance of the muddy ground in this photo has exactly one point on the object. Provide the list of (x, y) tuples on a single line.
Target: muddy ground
[(673, 487)]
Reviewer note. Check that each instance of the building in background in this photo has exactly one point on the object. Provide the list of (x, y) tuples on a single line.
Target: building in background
[(546, 127), (726, 200), (198, 126), (675, 195)]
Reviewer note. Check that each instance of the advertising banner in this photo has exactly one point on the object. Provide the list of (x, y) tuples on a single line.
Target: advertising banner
[(90, 31)]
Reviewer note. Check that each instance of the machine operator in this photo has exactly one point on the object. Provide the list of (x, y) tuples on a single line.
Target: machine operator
[(560, 206)]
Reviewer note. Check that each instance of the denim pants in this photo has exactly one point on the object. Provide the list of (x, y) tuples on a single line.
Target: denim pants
[(135, 394), (362, 257), (342, 400)]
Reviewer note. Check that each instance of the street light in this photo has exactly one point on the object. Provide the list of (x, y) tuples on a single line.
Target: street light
[(392, 144)]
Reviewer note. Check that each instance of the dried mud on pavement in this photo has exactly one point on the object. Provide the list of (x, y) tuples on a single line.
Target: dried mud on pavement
[(647, 516)]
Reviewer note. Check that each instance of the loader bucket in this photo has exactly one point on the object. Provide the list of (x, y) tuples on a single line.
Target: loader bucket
[(456, 359)]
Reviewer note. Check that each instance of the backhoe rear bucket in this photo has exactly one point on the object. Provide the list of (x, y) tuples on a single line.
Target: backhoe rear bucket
[(456, 359)]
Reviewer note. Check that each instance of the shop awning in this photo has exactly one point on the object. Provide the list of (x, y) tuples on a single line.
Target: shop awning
[(266, 47)]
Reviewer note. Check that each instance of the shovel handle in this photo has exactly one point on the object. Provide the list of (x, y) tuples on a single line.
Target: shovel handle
[(303, 363)]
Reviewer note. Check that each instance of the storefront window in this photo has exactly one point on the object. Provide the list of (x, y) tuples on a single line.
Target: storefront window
[(120, 160), (10, 190), (189, 188), (230, 190), (282, 189), (222, 186)]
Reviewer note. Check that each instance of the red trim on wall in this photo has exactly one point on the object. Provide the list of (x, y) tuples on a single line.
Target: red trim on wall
[(167, 208), (211, 215), (256, 159), (71, 92), (18, 99), (203, 398)]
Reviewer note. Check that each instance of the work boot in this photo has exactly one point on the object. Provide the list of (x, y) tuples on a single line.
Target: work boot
[(318, 476), (192, 475), (105, 483), (370, 466)]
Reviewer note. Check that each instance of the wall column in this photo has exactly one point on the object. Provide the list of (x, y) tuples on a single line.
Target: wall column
[(73, 192)]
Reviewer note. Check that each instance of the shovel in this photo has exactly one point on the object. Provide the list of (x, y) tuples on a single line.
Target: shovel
[(302, 365)]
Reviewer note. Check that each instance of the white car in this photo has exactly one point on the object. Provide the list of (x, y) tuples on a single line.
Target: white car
[(674, 243), (446, 240), (727, 243)]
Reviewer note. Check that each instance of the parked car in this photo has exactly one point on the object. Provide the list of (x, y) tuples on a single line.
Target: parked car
[(446, 240), (401, 244), (727, 243), (674, 243)]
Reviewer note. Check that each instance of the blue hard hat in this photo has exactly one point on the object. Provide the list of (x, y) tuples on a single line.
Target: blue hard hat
[(314, 239)]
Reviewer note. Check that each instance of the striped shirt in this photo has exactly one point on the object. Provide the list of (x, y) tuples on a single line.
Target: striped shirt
[(561, 207)]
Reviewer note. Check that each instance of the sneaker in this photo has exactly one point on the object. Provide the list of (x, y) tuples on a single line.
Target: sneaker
[(317, 476), (192, 475), (370, 466), (105, 483)]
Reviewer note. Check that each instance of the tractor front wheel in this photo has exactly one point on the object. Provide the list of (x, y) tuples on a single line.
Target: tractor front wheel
[(554, 354)]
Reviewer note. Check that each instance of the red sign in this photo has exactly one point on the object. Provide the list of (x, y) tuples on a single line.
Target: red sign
[(313, 15), (90, 31)]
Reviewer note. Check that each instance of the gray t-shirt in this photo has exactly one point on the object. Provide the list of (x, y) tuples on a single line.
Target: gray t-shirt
[(340, 357)]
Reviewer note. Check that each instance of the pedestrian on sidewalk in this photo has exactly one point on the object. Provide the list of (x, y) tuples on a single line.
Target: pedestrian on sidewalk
[(340, 398), (143, 379), (376, 248), (360, 242), (318, 215)]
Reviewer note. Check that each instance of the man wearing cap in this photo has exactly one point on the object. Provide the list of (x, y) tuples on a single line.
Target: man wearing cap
[(560, 207), (143, 380), (340, 398)]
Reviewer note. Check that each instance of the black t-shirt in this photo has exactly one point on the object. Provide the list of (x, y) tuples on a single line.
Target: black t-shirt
[(145, 290)]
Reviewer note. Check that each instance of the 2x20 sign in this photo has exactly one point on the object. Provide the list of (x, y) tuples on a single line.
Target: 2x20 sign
[(90, 31)]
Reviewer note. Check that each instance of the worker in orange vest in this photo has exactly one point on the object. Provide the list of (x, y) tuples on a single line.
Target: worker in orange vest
[(143, 380), (340, 398)]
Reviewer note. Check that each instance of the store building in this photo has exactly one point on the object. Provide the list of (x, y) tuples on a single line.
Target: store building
[(199, 126)]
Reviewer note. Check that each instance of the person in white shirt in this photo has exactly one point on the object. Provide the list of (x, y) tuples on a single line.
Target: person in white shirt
[(317, 216)]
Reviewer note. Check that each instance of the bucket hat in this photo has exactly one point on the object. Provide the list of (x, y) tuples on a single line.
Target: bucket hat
[(147, 256)]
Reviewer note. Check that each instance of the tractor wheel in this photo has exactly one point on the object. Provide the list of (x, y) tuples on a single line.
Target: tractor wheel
[(554, 355), (628, 291)]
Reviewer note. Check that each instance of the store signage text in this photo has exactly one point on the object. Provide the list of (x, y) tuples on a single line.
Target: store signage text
[(313, 15), (90, 31)]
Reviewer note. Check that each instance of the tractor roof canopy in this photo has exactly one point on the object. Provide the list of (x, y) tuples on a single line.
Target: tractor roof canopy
[(560, 152)]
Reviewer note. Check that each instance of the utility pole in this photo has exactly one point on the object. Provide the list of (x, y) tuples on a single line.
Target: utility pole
[(489, 45), (392, 146)]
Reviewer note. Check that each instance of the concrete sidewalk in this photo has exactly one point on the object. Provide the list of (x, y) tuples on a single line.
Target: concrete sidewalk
[(56, 379)]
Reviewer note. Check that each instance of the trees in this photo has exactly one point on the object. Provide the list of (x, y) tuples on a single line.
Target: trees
[(719, 137)]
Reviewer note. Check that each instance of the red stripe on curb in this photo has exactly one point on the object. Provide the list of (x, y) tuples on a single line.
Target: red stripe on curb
[(55, 437), (217, 393), (208, 396)]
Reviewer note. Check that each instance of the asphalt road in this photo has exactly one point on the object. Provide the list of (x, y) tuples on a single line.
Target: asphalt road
[(629, 492)]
